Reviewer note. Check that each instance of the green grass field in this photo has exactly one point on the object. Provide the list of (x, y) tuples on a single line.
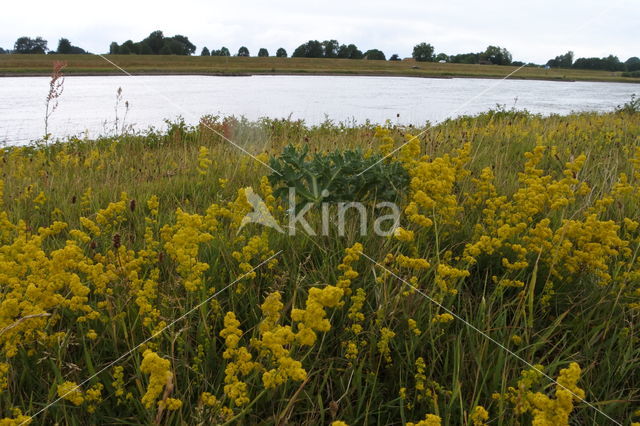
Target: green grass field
[(12, 65)]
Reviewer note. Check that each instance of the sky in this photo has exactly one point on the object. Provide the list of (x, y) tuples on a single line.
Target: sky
[(532, 30)]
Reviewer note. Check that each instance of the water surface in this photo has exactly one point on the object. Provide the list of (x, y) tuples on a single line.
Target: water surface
[(87, 105)]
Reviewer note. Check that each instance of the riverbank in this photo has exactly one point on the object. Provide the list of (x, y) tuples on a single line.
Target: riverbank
[(94, 65)]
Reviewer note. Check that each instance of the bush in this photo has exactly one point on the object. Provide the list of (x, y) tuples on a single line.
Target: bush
[(336, 176)]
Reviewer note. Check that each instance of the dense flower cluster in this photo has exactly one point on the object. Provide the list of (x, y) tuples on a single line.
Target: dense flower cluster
[(160, 375)]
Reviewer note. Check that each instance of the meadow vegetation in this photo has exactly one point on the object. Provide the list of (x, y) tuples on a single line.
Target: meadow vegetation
[(517, 227)]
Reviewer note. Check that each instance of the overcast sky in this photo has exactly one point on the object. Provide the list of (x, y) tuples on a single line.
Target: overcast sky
[(533, 30)]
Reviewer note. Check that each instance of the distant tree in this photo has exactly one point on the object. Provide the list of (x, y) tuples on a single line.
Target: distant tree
[(562, 61), (465, 58), (243, 51), (188, 48), (423, 52), (263, 53), (350, 52), (225, 52), (442, 57), (29, 45), (143, 48), (610, 63), (632, 64), (517, 63), (395, 57), (130, 47), (375, 54), (64, 46), (310, 49), (330, 48), (2, 51), (497, 55), (155, 41), (205, 52), (175, 47), (613, 63), (281, 53)]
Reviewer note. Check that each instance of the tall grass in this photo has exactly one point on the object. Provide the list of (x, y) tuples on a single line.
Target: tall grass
[(584, 320)]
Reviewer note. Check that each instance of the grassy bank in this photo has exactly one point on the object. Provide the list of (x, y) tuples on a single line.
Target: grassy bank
[(16, 65), (518, 244)]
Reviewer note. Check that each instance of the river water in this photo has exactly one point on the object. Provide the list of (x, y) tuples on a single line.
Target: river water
[(87, 106)]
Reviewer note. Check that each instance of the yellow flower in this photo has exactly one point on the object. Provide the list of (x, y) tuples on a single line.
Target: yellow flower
[(240, 361), (413, 326), (403, 235), (170, 404), (203, 160), (71, 392), (429, 420), (479, 416), (386, 335), (159, 376), (442, 318)]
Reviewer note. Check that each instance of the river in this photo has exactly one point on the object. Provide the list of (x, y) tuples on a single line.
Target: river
[(87, 106)]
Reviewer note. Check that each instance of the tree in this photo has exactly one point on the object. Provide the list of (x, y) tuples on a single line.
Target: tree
[(130, 47), (29, 45), (395, 57), (281, 53), (166, 49), (155, 41), (243, 51), (423, 52), (350, 52), (632, 64), (64, 46), (143, 48), (610, 63), (205, 52), (310, 49), (497, 55), (375, 54), (263, 53), (2, 51), (124, 50), (465, 58), (442, 57), (330, 48), (225, 52), (113, 48), (562, 61), (187, 48)]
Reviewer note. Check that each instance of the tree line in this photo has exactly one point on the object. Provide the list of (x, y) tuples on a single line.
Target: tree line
[(38, 45), (158, 44), (155, 44), (610, 63)]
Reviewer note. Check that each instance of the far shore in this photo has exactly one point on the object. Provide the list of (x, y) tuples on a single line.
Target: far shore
[(94, 65)]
